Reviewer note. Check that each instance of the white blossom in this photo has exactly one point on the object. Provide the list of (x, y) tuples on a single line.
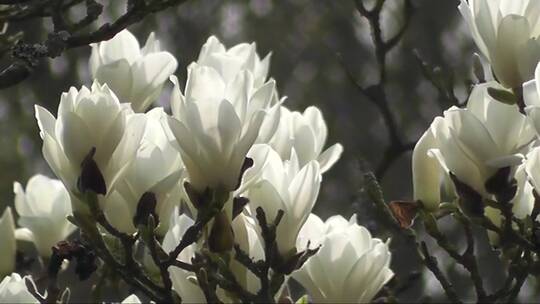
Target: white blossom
[(305, 132), (135, 75), (43, 209), (215, 123), (350, 267), (506, 33), (13, 290), (7, 239), (283, 184), (88, 119), (472, 143), (229, 63), (156, 168)]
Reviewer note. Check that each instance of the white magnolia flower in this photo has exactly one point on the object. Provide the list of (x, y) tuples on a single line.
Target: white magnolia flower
[(13, 290), (184, 282), (350, 267), (136, 75), (472, 143), (43, 209), (156, 168), (283, 185), (506, 33), (215, 122), (132, 299), (7, 239), (229, 63), (88, 120), (306, 133)]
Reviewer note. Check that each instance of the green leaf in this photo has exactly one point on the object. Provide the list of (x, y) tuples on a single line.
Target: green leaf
[(503, 96), (303, 300)]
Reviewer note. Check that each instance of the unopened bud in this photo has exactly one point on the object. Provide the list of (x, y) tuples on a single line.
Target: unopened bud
[(145, 208), (221, 238)]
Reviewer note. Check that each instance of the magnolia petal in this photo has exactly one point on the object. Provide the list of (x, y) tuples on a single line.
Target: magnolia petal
[(149, 73), (122, 46), (204, 84), (60, 165), (426, 172), (74, 136), (46, 121), (24, 234), (316, 121), (311, 232), (512, 34), (132, 299), (117, 75), (304, 189), (152, 45), (531, 96), (13, 289), (330, 156)]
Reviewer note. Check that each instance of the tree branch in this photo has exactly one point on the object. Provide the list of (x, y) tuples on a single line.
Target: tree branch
[(375, 94)]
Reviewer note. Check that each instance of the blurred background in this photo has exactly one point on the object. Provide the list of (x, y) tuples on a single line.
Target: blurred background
[(314, 45)]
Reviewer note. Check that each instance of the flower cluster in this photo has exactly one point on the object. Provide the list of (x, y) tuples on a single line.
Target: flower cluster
[(232, 171), (486, 152)]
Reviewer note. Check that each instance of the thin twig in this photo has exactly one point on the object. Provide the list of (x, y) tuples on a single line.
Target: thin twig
[(66, 35), (375, 94), (432, 264), (467, 259)]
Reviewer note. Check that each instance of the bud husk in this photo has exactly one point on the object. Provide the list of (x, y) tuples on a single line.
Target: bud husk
[(221, 238)]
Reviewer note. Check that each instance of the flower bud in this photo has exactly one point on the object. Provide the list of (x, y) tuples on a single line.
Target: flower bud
[(221, 238), (7, 239), (145, 208)]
